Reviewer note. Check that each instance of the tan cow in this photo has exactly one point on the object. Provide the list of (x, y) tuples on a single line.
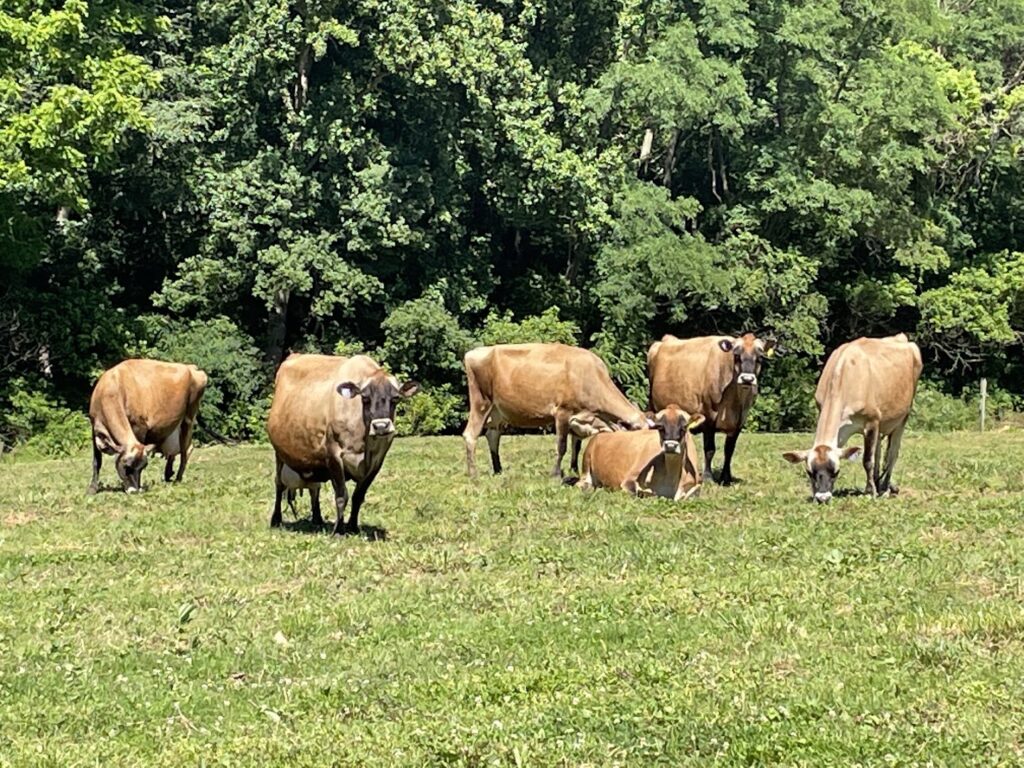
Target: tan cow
[(715, 376), (661, 461), (332, 418), (141, 406), (867, 387), (537, 385)]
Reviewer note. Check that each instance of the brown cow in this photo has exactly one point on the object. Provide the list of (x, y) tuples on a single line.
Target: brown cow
[(715, 376), (867, 387), (332, 418), (141, 406), (536, 385), (661, 461)]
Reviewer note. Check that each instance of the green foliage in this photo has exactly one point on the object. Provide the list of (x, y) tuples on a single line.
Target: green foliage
[(237, 399), (410, 180), (545, 327), (423, 340), (939, 411), (431, 412), (36, 421)]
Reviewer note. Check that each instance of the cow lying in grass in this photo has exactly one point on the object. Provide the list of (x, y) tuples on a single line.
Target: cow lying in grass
[(660, 461)]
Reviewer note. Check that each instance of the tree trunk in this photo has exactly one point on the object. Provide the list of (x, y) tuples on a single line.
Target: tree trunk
[(277, 327)]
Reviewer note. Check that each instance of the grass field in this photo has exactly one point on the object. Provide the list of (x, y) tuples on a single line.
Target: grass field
[(516, 622)]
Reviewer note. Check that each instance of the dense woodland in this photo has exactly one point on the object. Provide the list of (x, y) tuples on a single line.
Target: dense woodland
[(221, 182)]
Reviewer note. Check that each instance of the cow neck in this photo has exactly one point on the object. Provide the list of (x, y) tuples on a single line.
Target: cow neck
[(617, 407), (741, 398), (831, 419)]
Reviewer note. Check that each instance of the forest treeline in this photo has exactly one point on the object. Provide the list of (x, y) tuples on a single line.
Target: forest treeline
[(222, 181)]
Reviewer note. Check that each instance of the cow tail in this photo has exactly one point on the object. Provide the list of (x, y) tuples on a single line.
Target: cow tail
[(213, 433)]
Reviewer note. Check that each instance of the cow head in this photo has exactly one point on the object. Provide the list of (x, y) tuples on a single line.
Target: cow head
[(380, 394), (587, 424), (822, 467), (748, 352), (674, 425), (130, 463)]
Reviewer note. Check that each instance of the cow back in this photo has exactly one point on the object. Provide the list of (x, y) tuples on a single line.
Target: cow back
[(871, 378), (144, 400), (528, 383), (692, 373), (301, 411)]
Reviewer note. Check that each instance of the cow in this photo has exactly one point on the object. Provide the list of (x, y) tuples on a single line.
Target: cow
[(537, 385), (141, 406), (660, 461), (331, 419), (715, 376), (867, 387)]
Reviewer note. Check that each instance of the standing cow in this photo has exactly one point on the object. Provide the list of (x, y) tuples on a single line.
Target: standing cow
[(141, 406), (867, 387), (537, 385), (660, 461), (715, 376), (332, 418)]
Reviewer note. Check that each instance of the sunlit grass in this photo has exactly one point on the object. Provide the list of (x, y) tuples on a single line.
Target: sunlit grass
[(513, 621)]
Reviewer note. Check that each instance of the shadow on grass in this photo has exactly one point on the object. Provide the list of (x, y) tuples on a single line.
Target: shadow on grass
[(306, 525)]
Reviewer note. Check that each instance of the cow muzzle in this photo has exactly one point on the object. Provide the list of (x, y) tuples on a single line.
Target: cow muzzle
[(671, 446), (381, 427), (823, 497), (746, 379)]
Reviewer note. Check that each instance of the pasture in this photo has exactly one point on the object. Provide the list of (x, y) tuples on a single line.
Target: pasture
[(512, 621)]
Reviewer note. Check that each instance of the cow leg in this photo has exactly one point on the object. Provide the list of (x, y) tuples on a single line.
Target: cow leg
[(891, 454), (562, 432), (730, 445), (275, 516), (479, 409), (97, 462), (871, 442), (357, 500), (169, 469), (337, 473), (185, 444), (709, 453), (314, 501), (574, 461), (493, 441)]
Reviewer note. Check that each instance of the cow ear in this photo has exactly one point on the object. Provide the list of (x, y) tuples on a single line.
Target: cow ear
[(409, 389), (651, 423), (695, 422), (770, 348), (725, 345), (851, 452), (348, 390), (795, 457)]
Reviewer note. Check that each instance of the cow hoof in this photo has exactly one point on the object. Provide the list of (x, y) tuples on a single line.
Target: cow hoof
[(275, 521), (726, 480), (346, 530), (91, 490)]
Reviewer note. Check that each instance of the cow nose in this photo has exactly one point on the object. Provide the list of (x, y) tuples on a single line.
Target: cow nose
[(747, 379), (821, 498), (671, 446), (382, 427)]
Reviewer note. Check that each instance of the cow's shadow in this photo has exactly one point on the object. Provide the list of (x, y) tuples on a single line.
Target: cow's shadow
[(306, 525), (104, 488)]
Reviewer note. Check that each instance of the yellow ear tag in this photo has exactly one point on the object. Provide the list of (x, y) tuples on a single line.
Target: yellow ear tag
[(770, 352)]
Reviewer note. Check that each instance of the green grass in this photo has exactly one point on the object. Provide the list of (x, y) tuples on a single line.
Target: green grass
[(512, 621)]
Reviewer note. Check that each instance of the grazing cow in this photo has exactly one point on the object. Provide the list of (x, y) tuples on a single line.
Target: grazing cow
[(536, 385), (715, 376), (141, 406), (332, 418), (661, 461), (867, 387)]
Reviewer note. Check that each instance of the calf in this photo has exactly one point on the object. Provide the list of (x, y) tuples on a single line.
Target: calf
[(661, 461)]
